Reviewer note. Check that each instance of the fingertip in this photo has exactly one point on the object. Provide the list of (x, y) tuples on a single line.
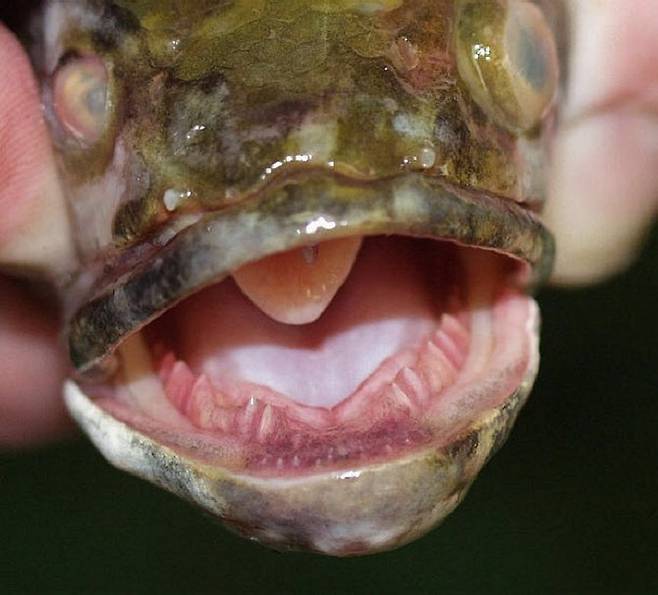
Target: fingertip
[(604, 194), (34, 232), (604, 191)]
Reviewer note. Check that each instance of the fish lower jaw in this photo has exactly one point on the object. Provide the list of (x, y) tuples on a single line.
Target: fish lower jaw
[(471, 353)]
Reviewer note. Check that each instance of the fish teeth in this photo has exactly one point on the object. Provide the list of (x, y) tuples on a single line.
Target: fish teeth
[(310, 254), (202, 403), (455, 329), (400, 399), (179, 386), (413, 385), (166, 366), (248, 415), (267, 425), (142, 382), (449, 347), (437, 370)]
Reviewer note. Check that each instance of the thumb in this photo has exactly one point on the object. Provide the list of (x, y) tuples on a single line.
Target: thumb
[(605, 184)]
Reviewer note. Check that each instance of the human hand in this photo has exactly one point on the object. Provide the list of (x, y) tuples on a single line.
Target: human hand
[(33, 230), (604, 193)]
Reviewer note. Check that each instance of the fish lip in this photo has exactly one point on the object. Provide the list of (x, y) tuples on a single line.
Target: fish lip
[(401, 499), (430, 483), (296, 214)]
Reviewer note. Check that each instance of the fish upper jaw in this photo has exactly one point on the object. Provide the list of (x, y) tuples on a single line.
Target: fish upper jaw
[(138, 285)]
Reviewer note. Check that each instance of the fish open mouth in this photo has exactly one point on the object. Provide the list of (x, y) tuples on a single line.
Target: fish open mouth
[(316, 335), (421, 336)]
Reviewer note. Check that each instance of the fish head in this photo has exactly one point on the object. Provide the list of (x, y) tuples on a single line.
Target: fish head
[(306, 230)]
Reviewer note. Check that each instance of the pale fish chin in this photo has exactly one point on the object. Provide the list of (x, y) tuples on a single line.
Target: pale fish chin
[(342, 512)]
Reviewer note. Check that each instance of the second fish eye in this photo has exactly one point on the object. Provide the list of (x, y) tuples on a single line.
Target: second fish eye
[(507, 56)]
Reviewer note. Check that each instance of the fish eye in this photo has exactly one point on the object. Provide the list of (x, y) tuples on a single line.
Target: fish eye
[(507, 57), (80, 96)]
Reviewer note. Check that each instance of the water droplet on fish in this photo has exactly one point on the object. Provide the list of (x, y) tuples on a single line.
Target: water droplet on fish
[(427, 157), (173, 198)]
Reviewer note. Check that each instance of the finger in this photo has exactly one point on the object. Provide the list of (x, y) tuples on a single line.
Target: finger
[(32, 369), (605, 184), (34, 230)]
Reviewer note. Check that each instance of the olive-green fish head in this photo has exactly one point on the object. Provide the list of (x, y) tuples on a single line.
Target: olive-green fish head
[(369, 174)]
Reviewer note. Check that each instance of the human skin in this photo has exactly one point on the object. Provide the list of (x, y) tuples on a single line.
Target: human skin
[(609, 126)]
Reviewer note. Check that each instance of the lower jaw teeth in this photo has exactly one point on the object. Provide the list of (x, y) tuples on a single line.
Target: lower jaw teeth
[(400, 390)]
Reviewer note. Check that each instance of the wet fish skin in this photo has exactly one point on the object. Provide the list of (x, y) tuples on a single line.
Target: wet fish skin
[(227, 117), (214, 99)]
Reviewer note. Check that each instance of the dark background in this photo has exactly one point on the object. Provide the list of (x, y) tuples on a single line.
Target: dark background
[(570, 504)]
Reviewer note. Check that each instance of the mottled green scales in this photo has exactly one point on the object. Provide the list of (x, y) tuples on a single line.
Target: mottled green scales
[(216, 98)]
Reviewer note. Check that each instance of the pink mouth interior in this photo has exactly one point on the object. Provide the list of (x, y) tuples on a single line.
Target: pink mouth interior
[(421, 337), (221, 334)]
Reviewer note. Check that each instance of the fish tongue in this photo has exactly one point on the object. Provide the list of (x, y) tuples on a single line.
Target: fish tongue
[(296, 287)]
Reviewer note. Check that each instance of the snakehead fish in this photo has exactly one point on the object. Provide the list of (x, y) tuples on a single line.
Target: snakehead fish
[(308, 231)]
